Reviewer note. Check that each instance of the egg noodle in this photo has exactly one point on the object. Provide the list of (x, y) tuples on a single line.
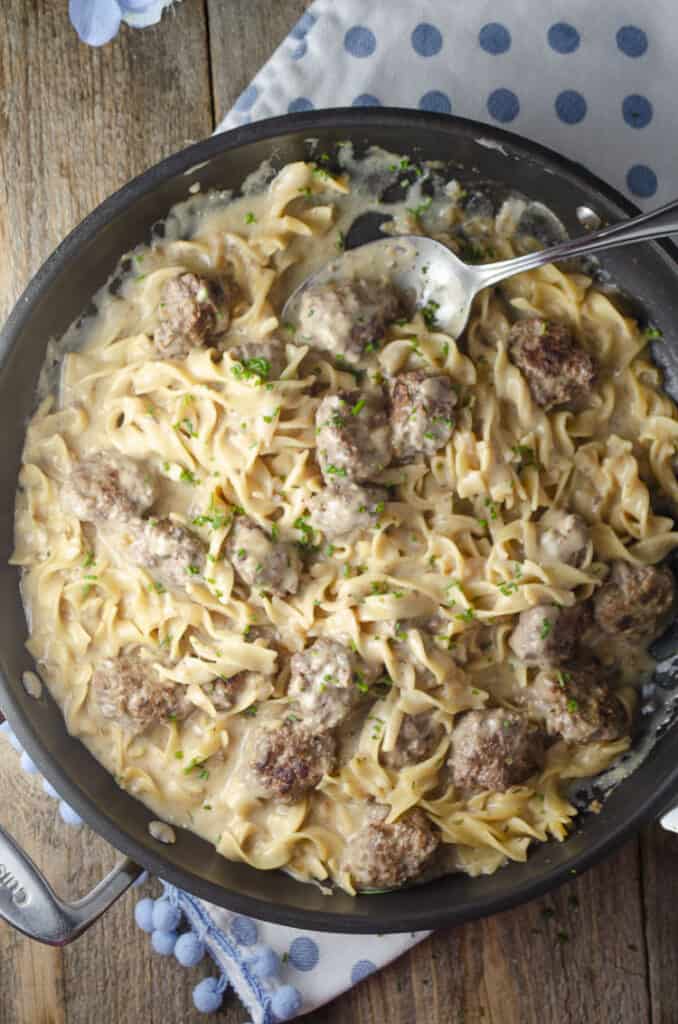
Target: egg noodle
[(456, 539)]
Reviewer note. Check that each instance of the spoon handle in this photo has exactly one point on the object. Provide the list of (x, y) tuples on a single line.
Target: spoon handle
[(659, 222)]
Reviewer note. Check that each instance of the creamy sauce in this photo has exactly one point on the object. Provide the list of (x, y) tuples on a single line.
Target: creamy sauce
[(457, 536)]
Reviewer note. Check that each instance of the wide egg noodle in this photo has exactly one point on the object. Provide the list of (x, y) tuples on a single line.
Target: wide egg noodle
[(456, 538)]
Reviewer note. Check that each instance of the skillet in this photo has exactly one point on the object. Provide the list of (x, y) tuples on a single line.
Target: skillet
[(58, 293)]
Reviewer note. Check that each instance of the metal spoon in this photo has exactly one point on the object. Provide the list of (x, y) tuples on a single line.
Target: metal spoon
[(430, 272)]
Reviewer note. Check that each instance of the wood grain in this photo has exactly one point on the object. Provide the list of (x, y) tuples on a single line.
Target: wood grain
[(243, 34), (659, 863), (75, 123)]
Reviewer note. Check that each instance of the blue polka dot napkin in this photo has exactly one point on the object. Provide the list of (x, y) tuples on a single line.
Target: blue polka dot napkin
[(596, 82)]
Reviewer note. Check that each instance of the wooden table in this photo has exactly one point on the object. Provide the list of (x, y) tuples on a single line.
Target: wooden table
[(76, 123)]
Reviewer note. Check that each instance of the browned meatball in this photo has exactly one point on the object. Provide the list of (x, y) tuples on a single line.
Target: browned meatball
[(494, 749), (557, 369), (171, 553), (422, 413), (418, 737), (578, 704), (564, 537), (108, 486), (634, 601), (327, 680), (353, 436), (129, 690), (192, 309), (261, 562), (266, 359), (344, 509), (346, 316), (547, 634), (290, 759), (381, 856)]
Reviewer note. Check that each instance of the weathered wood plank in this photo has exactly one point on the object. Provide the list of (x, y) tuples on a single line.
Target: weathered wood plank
[(575, 956), (75, 124), (243, 34), (659, 853)]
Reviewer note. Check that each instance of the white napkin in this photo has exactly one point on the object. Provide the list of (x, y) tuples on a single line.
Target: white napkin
[(595, 81)]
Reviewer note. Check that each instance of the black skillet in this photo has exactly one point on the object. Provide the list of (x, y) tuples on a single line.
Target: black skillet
[(54, 298)]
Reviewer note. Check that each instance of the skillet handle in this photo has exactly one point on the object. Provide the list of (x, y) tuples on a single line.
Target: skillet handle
[(29, 903)]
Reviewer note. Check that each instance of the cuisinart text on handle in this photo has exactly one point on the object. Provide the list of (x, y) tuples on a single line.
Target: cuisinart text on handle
[(10, 882)]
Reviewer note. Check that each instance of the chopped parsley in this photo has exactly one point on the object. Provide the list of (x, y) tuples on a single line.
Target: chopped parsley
[(213, 518), (186, 427), (423, 206), (251, 711), (525, 455), (89, 560), (192, 570), (179, 754), (377, 727), (195, 762), (158, 587), (572, 705), (466, 616), (341, 241), (546, 627), (358, 407), (333, 470), (652, 332), (359, 681), (250, 218), (491, 506), (306, 530), (269, 419), (188, 477), (563, 678), (275, 532), (256, 369), (329, 550), (429, 313)]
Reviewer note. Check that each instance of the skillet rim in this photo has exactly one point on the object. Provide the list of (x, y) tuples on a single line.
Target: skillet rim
[(378, 918)]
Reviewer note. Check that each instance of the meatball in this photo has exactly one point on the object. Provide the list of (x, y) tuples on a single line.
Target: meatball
[(192, 309), (327, 680), (557, 369), (343, 509), (634, 601), (422, 413), (418, 737), (290, 759), (565, 537), (109, 486), (344, 317), (261, 562), (381, 856), (494, 749), (170, 552), (353, 436), (547, 634), (265, 358), (129, 690), (578, 704)]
